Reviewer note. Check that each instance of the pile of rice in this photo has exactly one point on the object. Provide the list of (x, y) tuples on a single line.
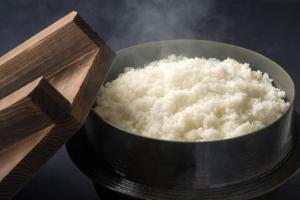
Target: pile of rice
[(191, 99)]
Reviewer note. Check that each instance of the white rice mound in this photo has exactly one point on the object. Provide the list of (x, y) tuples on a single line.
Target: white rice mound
[(191, 99)]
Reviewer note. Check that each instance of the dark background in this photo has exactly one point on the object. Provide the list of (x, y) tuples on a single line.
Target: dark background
[(270, 27)]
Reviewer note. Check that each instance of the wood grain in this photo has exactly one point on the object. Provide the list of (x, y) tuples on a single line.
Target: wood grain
[(33, 107), (46, 99), (65, 40), (11, 156)]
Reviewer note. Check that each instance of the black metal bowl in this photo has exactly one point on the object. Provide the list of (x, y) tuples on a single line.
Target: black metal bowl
[(112, 186), (191, 166)]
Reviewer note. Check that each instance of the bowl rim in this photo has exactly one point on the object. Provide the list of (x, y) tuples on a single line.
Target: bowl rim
[(233, 139)]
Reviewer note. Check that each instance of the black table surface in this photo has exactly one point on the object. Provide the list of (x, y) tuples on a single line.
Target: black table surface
[(270, 27)]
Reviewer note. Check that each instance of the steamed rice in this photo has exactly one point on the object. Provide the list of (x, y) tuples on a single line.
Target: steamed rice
[(191, 99)]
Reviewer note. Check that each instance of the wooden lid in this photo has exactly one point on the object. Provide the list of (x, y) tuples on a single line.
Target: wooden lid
[(48, 85)]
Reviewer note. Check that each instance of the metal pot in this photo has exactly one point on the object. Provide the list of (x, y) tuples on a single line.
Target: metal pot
[(192, 165)]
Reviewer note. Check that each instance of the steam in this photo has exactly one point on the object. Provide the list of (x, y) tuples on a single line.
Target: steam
[(120, 22), (131, 21)]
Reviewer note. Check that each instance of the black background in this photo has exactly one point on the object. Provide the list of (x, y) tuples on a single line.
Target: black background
[(270, 27)]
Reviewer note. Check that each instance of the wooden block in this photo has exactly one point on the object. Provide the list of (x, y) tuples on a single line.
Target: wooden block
[(85, 80), (29, 109), (58, 83), (47, 53), (11, 156)]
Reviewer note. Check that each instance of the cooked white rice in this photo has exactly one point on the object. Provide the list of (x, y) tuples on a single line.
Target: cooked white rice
[(191, 99)]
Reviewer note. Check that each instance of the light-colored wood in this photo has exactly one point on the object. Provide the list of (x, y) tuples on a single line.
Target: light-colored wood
[(47, 87), (78, 69), (82, 105)]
